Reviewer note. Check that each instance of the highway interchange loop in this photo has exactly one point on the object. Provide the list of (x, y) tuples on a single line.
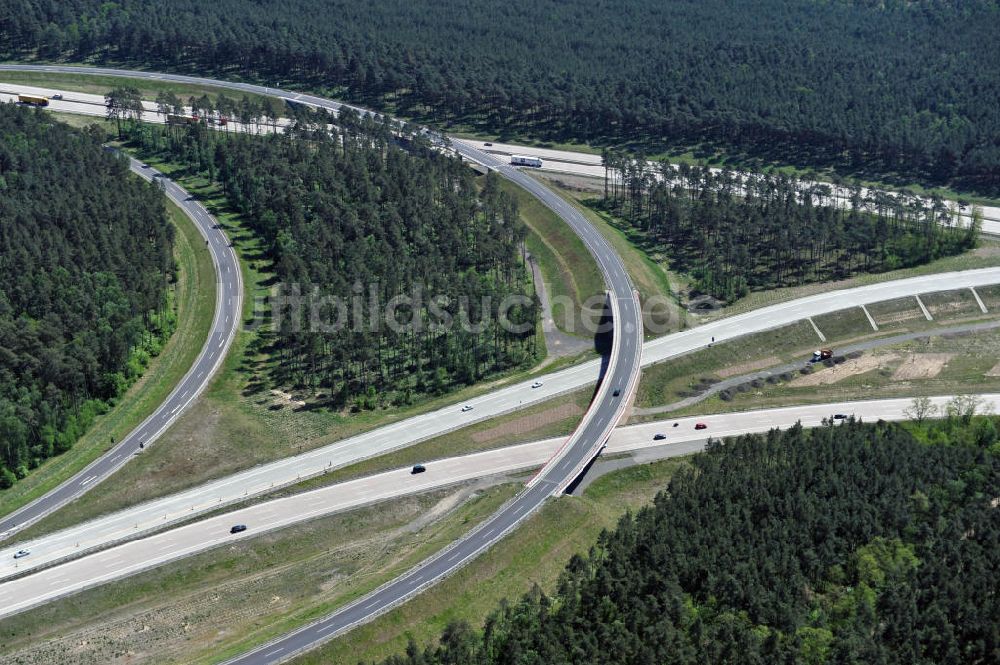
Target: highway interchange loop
[(607, 409)]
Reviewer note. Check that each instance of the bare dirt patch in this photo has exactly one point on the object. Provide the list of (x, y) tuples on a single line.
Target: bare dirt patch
[(921, 366), (747, 367), (286, 398), (829, 375), (528, 424)]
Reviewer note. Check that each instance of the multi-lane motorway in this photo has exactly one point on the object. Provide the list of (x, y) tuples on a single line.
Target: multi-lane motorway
[(123, 560), (165, 511), (228, 306), (591, 166)]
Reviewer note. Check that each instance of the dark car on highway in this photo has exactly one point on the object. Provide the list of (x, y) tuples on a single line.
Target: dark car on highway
[(418, 468), (840, 416), (238, 528), (659, 437), (700, 426)]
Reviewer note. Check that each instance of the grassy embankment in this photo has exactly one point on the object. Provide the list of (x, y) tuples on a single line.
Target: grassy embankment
[(567, 267), (194, 297)]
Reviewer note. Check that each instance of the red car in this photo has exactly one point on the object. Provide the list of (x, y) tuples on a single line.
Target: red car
[(700, 426)]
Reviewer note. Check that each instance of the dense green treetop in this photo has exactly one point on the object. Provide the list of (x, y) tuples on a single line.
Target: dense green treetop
[(895, 85), (85, 261), (849, 544), (359, 215)]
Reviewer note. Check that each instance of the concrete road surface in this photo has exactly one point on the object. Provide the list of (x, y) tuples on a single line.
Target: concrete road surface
[(263, 478), (130, 558)]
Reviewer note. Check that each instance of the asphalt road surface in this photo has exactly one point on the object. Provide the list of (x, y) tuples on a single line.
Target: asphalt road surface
[(228, 307), (81, 103), (133, 521), (607, 408)]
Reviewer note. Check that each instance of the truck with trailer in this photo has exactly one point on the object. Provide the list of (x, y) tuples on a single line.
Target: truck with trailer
[(33, 100), (523, 160)]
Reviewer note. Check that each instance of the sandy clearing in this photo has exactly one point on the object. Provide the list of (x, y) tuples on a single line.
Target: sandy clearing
[(898, 317), (828, 375), (921, 366)]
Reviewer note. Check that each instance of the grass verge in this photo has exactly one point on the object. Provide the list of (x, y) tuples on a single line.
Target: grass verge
[(645, 268), (964, 363), (195, 298), (567, 267), (666, 383)]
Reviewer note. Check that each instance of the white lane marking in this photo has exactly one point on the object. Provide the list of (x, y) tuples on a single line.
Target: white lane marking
[(271, 653), (923, 309), (88, 480)]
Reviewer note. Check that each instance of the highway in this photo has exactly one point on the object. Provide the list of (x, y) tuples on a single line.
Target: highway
[(82, 103), (228, 308), (591, 166), (158, 513), (608, 407), (130, 558)]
